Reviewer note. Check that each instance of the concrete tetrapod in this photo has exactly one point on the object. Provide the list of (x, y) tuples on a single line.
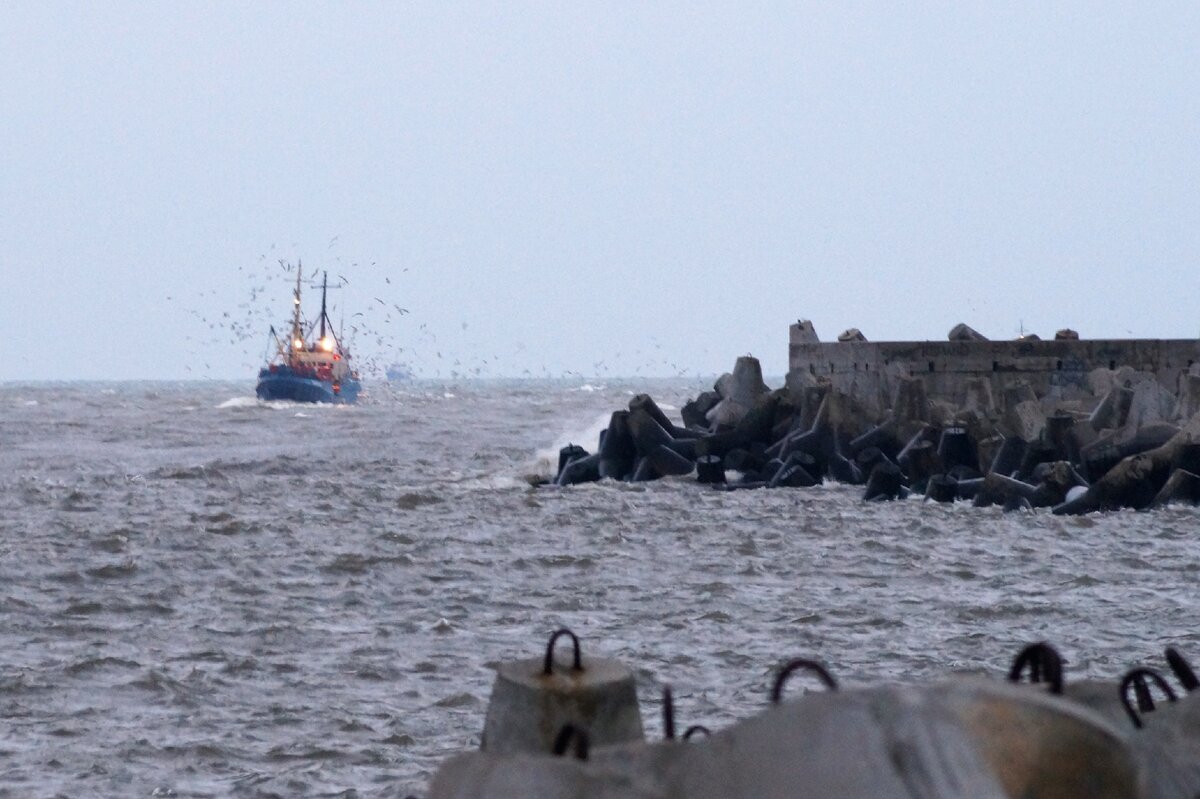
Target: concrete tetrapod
[(885, 483), (739, 392), (617, 452), (571, 452), (1182, 487), (963, 738), (532, 700), (710, 469), (580, 470)]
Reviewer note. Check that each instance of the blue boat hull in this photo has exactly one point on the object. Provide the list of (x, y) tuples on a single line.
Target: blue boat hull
[(285, 385)]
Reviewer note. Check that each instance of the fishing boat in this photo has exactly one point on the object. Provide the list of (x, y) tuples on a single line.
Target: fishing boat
[(306, 368)]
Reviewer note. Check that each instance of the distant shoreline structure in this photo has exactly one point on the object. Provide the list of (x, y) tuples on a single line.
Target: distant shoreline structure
[(1059, 367), (399, 373)]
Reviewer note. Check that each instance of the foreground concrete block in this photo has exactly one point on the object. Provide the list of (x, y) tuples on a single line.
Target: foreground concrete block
[(532, 700), (1168, 750), (965, 738)]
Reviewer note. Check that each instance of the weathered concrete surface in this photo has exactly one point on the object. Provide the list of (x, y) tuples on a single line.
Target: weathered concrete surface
[(1024, 420), (1181, 488), (964, 738), (803, 332), (1102, 697), (528, 708), (1046, 747), (1057, 367), (978, 397), (1189, 396), (739, 392), (1168, 750), (1137, 479), (485, 775), (964, 332), (1151, 402)]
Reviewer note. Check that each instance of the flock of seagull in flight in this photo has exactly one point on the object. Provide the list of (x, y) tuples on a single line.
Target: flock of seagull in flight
[(372, 334)]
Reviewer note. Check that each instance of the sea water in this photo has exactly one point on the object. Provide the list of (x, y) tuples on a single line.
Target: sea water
[(206, 595)]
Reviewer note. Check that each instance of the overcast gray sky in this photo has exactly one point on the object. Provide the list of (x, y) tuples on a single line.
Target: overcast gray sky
[(601, 188)]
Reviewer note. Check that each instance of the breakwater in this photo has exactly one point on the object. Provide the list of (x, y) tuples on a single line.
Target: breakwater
[(1118, 438)]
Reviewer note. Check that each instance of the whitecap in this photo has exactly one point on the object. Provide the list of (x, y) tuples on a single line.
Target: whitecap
[(546, 460), (240, 402)]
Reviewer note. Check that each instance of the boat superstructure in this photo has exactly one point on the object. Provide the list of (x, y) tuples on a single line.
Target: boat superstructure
[(312, 365)]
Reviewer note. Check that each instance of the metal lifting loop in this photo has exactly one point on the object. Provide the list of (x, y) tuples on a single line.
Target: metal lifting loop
[(668, 704), (548, 664), (1136, 679), (1044, 664), (694, 729), (1183, 669), (796, 665), (568, 733)]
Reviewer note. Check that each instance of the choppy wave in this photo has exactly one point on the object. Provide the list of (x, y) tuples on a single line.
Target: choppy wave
[(585, 434), (242, 402), (231, 600)]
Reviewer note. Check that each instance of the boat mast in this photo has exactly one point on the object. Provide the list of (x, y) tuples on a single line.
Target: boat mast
[(297, 332), (324, 286)]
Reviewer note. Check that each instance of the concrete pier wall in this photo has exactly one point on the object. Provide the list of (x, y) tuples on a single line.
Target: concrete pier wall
[(869, 370)]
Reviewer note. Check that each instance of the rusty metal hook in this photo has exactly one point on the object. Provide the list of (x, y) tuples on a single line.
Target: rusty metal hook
[(668, 710), (548, 664), (1044, 663), (1136, 679), (568, 733), (1183, 670), (696, 728), (795, 665)]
